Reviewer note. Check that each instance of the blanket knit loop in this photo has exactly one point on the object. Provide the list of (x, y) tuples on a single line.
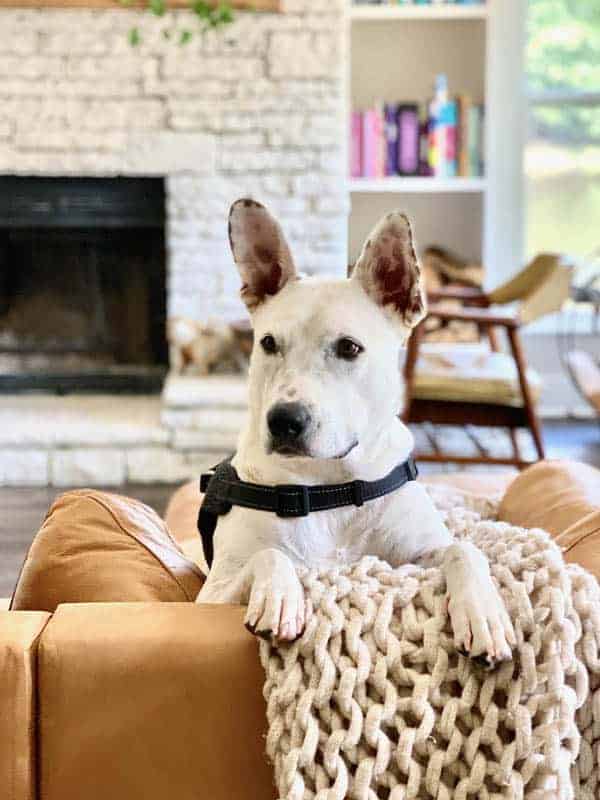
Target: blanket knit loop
[(374, 701)]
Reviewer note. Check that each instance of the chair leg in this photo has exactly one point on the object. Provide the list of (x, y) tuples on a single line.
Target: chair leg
[(492, 335), (529, 407), (515, 445), (412, 353)]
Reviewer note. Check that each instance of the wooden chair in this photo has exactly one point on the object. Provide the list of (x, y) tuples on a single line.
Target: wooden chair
[(477, 398)]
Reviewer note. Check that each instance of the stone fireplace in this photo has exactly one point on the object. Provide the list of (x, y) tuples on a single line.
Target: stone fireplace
[(258, 109), (82, 284)]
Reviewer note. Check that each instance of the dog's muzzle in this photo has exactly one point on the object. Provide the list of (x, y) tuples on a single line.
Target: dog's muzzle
[(288, 425)]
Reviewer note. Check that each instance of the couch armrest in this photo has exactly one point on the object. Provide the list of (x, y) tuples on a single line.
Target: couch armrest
[(563, 498), (153, 701), (99, 547), (19, 637)]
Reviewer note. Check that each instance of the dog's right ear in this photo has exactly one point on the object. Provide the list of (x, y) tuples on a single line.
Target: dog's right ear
[(389, 272), (260, 251)]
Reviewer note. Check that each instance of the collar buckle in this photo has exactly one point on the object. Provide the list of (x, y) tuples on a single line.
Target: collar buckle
[(288, 497), (205, 479)]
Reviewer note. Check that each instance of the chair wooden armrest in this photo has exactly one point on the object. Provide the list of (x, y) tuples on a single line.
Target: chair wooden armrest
[(480, 316), (467, 295)]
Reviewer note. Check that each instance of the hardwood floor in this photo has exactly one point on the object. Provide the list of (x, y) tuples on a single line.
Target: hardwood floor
[(22, 510)]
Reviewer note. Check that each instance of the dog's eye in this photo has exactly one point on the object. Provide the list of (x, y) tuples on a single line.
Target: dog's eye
[(268, 344), (347, 349)]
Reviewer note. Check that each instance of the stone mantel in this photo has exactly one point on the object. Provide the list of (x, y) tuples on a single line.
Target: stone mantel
[(249, 5)]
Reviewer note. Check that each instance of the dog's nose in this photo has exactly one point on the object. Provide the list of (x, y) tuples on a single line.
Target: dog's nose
[(288, 421)]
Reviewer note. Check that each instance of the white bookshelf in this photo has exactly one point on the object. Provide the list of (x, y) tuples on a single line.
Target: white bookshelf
[(401, 185), (479, 48), (370, 13)]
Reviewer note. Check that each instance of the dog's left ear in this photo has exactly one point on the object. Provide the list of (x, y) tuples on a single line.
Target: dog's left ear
[(260, 251), (389, 271)]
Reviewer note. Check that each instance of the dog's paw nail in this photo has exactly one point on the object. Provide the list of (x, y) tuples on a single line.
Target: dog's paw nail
[(284, 632), (485, 661)]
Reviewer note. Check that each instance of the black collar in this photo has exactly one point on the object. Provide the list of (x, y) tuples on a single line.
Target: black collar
[(223, 489)]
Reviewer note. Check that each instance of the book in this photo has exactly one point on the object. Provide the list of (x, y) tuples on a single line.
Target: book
[(463, 103), (475, 146), (380, 143), (408, 144), (356, 124), (449, 121), (390, 112), (372, 144)]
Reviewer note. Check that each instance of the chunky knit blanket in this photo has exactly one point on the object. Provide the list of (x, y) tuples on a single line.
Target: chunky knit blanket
[(374, 701)]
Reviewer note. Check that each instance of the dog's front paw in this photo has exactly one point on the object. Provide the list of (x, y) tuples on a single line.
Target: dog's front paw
[(481, 625), (277, 611)]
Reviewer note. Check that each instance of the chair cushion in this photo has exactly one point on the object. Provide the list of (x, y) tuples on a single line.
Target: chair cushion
[(470, 374), (100, 547), (563, 498), (586, 373)]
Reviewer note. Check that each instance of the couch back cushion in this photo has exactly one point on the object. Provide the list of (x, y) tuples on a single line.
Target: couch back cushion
[(99, 547), (563, 498)]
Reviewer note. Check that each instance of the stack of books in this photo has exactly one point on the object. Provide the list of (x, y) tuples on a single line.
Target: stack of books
[(443, 139)]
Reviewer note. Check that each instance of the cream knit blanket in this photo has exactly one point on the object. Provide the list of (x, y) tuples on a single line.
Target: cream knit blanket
[(374, 702)]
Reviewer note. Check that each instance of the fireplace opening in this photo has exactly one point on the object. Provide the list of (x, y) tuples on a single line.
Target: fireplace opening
[(82, 284)]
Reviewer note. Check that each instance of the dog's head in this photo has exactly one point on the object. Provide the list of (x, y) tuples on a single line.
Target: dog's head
[(325, 369)]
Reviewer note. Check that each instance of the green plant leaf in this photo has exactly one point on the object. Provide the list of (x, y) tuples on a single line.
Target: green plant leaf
[(209, 17), (224, 14), (157, 7), (134, 37), (201, 9)]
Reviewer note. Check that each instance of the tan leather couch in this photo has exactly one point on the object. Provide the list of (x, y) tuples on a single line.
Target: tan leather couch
[(115, 686)]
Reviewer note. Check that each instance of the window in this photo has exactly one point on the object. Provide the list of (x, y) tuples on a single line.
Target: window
[(562, 154)]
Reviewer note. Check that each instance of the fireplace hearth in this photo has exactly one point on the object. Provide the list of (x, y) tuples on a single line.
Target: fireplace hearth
[(82, 284)]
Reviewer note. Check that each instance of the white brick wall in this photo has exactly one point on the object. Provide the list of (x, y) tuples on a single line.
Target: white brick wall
[(257, 109)]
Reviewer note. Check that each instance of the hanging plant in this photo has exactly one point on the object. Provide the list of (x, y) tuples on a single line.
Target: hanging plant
[(209, 17)]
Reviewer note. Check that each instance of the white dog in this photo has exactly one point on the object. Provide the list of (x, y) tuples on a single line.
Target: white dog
[(325, 390)]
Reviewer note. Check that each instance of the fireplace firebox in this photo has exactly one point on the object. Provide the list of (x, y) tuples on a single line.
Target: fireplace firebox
[(82, 284)]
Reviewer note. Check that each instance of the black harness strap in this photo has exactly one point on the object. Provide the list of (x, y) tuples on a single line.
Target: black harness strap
[(223, 489)]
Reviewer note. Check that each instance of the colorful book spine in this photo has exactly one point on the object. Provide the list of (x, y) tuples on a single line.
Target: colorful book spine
[(356, 125), (380, 143), (475, 140), (391, 122), (463, 103), (424, 167), (408, 139), (450, 122), (369, 144)]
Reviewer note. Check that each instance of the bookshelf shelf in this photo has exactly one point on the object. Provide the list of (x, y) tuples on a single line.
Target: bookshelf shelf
[(370, 13), (417, 185)]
